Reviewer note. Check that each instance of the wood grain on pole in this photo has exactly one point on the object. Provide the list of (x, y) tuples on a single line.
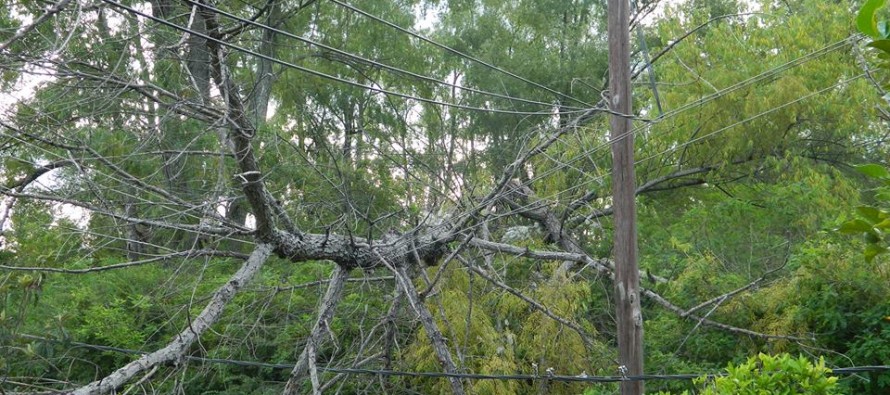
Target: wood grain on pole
[(627, 279)]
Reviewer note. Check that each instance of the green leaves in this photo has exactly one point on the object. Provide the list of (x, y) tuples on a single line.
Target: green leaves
[(867, 22), (780, 374), (872, 221), (855, 226), (883, 45), (874, 170)]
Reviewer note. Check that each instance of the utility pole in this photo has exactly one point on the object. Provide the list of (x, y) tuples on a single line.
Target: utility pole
[(627, 275)]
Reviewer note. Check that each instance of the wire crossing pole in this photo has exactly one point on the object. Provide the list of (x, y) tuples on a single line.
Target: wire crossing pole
[(627, 278)]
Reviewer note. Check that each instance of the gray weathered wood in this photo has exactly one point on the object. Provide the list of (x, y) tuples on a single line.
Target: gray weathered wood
[(306, 363), (627, 279), (180, 344)]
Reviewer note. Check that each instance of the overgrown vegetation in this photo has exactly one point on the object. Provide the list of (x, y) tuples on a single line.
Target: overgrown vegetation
[(127, 204)]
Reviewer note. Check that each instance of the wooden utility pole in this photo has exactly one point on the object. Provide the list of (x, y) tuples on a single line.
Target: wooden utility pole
[(627, 275)]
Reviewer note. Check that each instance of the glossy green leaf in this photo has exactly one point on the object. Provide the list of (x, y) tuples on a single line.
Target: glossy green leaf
[(883, 45), (874, 170), (855, 226), (873, 250), (866, 21), (869, 213)]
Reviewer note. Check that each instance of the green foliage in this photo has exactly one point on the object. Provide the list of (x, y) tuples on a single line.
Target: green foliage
[(780, 374), (872, 221), (867, 21), (769, 375), (346, 161), (501, 334)]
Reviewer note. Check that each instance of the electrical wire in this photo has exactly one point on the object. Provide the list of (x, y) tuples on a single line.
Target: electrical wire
[(456, 52), (587, 152), (697, 103), (366, 60), (582, 378), (327, 76), (580, 185)]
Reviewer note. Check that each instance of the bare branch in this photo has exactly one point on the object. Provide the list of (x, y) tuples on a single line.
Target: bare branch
[(306, 363), (177, 348), (199, 229), (27, 29), (588, 341), (729, 328), (183, 254), (648, 186), (39, 171), (429, 324), (732, 293)]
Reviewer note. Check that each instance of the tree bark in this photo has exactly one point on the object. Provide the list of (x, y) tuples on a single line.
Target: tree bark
[(306, 362), (178, 347), (429, 324)]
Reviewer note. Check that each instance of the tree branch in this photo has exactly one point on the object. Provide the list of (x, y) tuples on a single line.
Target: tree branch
[(178, 347), (729, 328), (588, 341), (306, 363), (39, 171), (27, 29), (648, 186), (429, 324), (182, 254)]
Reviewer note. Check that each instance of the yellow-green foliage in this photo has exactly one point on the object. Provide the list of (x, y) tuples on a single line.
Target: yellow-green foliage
[(504, 334)]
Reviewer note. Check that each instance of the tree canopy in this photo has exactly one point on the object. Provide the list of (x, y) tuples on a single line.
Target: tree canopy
[(312, 196)]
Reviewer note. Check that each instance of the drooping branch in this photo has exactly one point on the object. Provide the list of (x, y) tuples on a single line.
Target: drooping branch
[(198, 229), (734, 292), (607, 268), (603, 265), (729, 328), (20, 185), (180, 345), (161, 258), (306, 363)]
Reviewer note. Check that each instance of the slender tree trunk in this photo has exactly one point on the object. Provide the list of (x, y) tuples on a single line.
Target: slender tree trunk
[(627, 279), (262, 92)]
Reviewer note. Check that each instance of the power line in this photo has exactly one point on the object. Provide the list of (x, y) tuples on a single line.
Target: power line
[(562, 165), (456, 52), (762, 76), (749, 81), (610, 141), (366, 60), (327, 76), (582, 378)]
